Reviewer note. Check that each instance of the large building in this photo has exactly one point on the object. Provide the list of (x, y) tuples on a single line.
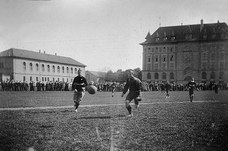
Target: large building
[(177, 53), (24, 65)]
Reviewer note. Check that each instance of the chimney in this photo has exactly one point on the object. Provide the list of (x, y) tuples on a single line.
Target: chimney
[(44, 52), (201, 24)]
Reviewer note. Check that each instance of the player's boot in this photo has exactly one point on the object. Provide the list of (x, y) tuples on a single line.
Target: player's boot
[(130, 115)]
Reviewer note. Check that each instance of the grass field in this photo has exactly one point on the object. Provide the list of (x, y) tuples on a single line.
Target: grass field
[(101, 123)]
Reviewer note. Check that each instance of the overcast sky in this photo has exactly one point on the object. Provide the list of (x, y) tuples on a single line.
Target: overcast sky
[(102, 34)]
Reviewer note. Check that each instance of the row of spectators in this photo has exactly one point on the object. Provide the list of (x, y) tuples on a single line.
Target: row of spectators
[(106, 87), (183, 87)]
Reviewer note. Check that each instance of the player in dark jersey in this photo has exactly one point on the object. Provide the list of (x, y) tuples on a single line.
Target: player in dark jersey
[(78, 86), (134, 86), (191, 86), (167, 87)]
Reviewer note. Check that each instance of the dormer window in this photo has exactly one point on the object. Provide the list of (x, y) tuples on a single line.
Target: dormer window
[(165, 38), (157, 39), (173, 38)]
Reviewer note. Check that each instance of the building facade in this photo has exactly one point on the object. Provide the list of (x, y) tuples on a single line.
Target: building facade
[(177, 53), (23, 65)]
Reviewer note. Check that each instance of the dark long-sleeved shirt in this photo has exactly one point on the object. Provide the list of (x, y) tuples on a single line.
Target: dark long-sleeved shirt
[(79, 83), (133, 84)]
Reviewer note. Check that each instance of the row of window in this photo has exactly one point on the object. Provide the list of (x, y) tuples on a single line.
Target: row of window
[(203, 75), (206, 55), (163, 66), (212, 65), (163, 58), (47, 79), (160, 49), (50, 68), (156, 75), (212, 75)]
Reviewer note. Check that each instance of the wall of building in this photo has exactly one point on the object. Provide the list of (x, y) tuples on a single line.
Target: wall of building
[(16, 69), (188, 61)]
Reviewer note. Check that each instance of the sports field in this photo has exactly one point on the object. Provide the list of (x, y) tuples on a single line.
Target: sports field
[(47, 121)]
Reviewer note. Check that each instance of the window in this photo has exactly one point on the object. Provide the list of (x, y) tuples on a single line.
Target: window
[(75, 70), (148, 76), (31, 78), (156, 58), (37, 67), (156, 66), (71, 69), (67, 70), (148, 59), (24, 65), (171, 65), (31, 68), (42, 79), (204, 56), (37, 79), (24, 78), (204, 75), (53, 68), (148, 66), (171, 58), (58, 69), (221, 75), (163, 75), (164, 58), (171, 75), (48, 68), (156, 75), (164, 65), (63, 69), (43, 69), (212, 75)]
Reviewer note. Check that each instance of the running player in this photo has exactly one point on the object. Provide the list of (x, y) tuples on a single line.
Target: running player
[(191, 86), (134, 86), (78, 86), (113, 87), (167, 87)]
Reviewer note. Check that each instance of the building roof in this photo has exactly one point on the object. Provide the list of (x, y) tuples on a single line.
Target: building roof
[(187, 33), (26, 54)]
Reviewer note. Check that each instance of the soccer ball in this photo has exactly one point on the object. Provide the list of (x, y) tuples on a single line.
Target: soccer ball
[(91, 89)]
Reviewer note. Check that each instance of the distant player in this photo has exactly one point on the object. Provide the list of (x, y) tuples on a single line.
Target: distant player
[(78, 86), (134, 86), (167, 87), (191, 86), (113, 87)]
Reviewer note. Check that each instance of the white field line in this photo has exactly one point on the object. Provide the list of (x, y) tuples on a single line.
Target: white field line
[(98, 105)]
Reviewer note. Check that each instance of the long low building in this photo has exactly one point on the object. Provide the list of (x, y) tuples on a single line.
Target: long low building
[(24, 65)]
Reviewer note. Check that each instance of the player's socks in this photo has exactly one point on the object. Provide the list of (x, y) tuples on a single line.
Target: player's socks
[(129, 110)]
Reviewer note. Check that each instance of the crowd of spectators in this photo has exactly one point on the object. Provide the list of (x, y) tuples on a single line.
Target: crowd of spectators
[(106, 87)]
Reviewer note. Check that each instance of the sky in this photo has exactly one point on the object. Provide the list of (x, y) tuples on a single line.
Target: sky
[(102, 34)]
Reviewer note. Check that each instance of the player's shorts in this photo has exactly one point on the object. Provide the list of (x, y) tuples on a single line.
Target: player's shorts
[(133, 95), (77, 97)]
